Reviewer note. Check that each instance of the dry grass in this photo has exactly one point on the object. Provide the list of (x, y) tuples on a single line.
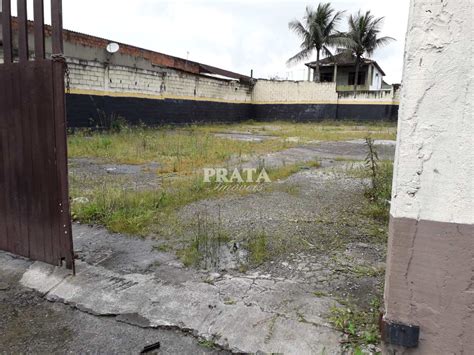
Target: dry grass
[(183, 151), (140, 212), (179, 150), (186, 149), (309, 131)]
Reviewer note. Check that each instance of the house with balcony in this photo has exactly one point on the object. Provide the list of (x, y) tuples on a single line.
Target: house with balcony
[(340, 68)]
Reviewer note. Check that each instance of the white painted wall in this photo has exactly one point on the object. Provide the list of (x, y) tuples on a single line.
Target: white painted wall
[(375, 82), (269, 91), (434, 173), (376, 96)]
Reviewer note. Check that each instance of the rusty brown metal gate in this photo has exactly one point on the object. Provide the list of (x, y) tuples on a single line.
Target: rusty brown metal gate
[(34, 198)]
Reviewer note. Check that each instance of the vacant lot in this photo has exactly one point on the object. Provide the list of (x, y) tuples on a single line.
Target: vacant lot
[(321, 223)]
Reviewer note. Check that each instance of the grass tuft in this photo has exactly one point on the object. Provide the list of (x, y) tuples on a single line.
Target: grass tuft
[(258, 248), (360, 327)]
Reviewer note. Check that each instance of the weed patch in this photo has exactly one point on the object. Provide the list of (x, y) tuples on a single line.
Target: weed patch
[(139, 212), (208, 344), (205, 250), (380, 189), (181, 150), (359, 326), (379, 174), (320, 294), (310, 131), (257, 246)]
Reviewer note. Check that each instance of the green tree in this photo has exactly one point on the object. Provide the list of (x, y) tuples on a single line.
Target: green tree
[(318, 32), (362, 38)]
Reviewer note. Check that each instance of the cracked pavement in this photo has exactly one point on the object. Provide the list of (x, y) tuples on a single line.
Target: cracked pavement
[(30, 324), (241, 313), (280, 306)]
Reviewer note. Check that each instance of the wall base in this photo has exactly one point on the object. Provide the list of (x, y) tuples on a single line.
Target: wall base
[(91, 110), (430, 283)]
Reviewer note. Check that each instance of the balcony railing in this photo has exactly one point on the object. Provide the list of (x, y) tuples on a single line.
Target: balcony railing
[(351, 87)]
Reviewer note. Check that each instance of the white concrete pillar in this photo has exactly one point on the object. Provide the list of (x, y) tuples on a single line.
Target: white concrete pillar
[(430, 265), (368, 79)]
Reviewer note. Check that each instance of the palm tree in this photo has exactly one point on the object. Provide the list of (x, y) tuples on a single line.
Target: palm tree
[(362, 38), (318, 32)]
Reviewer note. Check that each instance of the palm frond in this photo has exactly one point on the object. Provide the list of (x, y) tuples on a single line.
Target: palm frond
[(297, 27), (327, 52), (302, 55), (331, 26), (382, 41), (318, 30), (344, 42), (379, 43), (363, 34)]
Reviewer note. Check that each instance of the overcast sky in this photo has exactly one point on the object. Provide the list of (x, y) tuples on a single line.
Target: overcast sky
[(237, 35)]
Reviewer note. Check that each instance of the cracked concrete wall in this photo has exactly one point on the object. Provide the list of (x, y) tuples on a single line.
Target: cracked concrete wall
[(435, 146), (430, 265)]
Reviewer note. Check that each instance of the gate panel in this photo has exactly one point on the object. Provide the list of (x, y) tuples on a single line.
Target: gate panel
[(34, 198)]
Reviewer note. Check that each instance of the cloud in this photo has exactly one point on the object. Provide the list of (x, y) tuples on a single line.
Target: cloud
[(237, 35)]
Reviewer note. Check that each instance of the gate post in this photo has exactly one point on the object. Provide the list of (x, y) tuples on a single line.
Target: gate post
[(429, 288)]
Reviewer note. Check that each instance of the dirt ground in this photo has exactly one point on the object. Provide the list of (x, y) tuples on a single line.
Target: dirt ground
[(296, 252)]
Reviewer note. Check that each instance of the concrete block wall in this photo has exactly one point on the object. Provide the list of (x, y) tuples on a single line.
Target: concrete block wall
[(99, 91), (270, 91), (309, 101), (121, 80), (86, 75), (118, 84), (173, 97)]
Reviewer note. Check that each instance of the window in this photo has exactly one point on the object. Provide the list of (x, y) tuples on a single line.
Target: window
[(326, 77), (361, 80)]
